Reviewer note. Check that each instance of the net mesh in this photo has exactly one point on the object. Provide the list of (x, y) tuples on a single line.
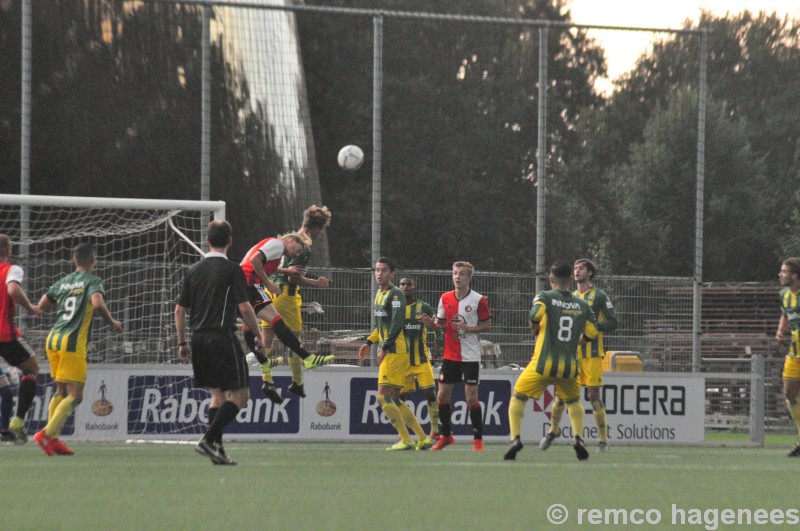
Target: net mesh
[(140, 258)]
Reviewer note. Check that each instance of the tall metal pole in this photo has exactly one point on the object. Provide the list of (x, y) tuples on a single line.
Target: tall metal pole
[(26, 44), (205, 110), (541, 156), (697, 302), (377, 104)]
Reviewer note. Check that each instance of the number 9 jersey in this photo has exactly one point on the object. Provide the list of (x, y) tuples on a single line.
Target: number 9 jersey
[(73, 296)]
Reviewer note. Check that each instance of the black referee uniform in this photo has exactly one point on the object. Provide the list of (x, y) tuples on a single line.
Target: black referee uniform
[(212, 289)]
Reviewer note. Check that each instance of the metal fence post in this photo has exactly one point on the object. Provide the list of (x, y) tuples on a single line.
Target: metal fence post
[(757, 398)]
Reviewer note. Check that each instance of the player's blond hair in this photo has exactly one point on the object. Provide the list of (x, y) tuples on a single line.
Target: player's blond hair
[(466, 265), (316, 217), (299, 238)]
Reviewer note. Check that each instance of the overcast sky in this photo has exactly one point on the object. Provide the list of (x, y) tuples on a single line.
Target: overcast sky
[(623, 47)]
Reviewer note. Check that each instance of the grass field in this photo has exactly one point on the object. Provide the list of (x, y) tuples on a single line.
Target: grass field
[(291, 485)]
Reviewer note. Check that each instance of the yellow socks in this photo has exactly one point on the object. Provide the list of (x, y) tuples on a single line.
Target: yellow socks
[(576, 414), (555, 415), (599, 412), (59, 418), (409, 419), (296, 364), (794, 411), (51, 407), (516, 410), (395, 417), (433, 413)]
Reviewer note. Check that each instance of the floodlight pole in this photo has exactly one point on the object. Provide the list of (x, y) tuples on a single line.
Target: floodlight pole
[(697, 299), (377, 105), (541, 158)]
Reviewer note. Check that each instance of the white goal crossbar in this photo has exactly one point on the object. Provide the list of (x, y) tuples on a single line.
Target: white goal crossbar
[(217, 207)]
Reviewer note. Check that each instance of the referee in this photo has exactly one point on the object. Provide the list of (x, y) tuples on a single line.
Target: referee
[(213, 289)]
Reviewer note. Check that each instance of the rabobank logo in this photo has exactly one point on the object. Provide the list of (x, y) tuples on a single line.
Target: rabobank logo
[(171, 404), (366, 415)]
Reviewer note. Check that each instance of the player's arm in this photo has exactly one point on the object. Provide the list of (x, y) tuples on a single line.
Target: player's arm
[(18, 295), (99, 304), (46, 302), (783, 327), (610, 321), (371, 340), (184, 350), (536, 314), (590, 328), (484, 318), (398, 321), (257, 261)]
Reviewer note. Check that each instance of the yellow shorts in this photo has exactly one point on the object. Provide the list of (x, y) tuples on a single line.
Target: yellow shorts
[(418, 377), (288, 306), (393, 369), (591, 372), (791, 369), (67, 366), (531, 383)]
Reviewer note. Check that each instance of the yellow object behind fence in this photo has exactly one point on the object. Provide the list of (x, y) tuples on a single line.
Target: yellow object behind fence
[(623, 361)]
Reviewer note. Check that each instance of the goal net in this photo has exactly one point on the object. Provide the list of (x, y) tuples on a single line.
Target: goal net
[(142, 248)]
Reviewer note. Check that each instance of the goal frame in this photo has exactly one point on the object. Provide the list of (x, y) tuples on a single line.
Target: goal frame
[(216, 207)]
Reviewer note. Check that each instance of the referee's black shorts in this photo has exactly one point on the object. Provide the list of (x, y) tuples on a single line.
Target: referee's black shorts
[(218, 360)]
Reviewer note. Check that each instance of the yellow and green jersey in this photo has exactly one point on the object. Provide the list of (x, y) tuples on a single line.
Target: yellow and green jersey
[(562, 318), (73, 297), (390, 316), (300, 260), (790, 307), (606, 321), (415, 332)]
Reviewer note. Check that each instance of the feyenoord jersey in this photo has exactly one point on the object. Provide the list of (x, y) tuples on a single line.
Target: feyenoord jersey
[(272, 249), (790, 307), (562, 318), (471, 310), (73, 297), (8, 308), (606, 317)]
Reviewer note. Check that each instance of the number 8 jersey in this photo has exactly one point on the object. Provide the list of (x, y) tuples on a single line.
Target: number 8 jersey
[(562, 318), (73, 295)]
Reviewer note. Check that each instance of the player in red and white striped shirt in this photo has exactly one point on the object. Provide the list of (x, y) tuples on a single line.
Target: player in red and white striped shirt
[(463, 314), (12, 346)]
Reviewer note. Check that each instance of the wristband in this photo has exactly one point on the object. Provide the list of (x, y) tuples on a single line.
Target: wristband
[(182, 344)]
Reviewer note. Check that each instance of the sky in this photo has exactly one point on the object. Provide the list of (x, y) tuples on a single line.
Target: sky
[(624, 47)]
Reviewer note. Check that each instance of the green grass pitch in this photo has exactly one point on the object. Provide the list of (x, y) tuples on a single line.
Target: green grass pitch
[(290, 485)]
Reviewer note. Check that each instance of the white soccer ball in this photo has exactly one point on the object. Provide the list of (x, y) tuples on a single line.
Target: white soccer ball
[(350, 158)]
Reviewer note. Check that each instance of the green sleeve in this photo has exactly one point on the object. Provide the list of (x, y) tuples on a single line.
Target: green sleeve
[(397, 300), (603, 304)]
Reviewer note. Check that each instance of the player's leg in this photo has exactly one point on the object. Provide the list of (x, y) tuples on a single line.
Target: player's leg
[(591, 376), (288, 338), (529, 384), (22, 356), (6, 408), (427, 385), (449, 375), (570, 393), (409, 418), (391, 378), (289, 307), (471, 383), (791, 392)]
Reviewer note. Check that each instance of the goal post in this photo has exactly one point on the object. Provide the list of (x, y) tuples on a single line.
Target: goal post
[(142, 246)]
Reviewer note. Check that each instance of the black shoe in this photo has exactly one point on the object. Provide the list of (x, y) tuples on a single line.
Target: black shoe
[(7, 437), (270, 392), (580, 450), (513, 449), (297, 389), (795, 451), (209, 449), (223, 458)]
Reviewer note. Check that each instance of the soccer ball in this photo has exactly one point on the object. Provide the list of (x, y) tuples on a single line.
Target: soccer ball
[(350, 158)]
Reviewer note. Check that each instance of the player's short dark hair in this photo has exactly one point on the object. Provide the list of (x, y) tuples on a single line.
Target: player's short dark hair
[(590, 266), (562, 270), (793, 264), (219, 233), (83, 253), (316, 217), (5, 245), (388, 261)]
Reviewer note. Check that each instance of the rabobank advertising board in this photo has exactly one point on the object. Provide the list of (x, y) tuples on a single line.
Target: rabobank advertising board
[(134, 403)]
